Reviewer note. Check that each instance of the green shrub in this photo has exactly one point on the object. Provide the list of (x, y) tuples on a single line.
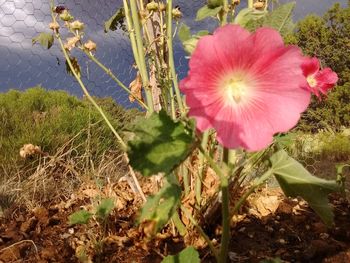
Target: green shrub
[(51, 118)]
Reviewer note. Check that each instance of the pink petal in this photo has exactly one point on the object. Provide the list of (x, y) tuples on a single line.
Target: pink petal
[(310, 66)]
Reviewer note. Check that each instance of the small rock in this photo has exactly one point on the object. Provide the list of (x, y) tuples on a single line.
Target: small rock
[(282, 230), (282, 241), (324, 236), (241, 230)]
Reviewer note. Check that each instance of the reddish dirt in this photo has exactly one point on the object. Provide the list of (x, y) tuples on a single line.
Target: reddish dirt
[(293, 233)]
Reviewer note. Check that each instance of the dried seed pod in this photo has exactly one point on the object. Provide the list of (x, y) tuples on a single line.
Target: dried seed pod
[(90, 46), (54, 26)]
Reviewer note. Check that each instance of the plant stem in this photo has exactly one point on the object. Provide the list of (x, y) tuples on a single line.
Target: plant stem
[(201, 232), (256, 184), (86, 92), (131, 33), (141, 53), (250, 3), (198, 185), (223, 18), (184, 173), (109, 73), (171, 62), (225, 237)]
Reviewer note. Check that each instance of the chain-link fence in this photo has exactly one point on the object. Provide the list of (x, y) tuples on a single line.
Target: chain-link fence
[(23, 65)]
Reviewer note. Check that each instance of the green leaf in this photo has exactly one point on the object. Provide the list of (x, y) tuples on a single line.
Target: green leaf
[(191, 43), (105, 208), (161, 207), (116, 21), (247, 15), (281, 18), (189, 254), (295, 181), (160, 144), (206, 11), (184, 33), (75, 65), (44, 39), (79, 217)]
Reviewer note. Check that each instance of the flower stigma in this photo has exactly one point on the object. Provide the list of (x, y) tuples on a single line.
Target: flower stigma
[(312, 81)]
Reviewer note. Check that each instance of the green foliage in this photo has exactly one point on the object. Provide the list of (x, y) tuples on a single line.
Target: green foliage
[(249, 15), (116, 21), (104, 208), (189, 254), (160, 144), (81, 217), (327, 38), (189, 41), (206, 11), (161, 207), (51, 118), (279, 19), (295, 181), (44, 39)]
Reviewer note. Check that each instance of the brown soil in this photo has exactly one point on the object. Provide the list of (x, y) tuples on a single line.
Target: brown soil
[(263, 230)]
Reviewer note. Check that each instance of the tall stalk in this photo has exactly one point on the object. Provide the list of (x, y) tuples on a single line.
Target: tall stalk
[(171, 62), (141, 55)]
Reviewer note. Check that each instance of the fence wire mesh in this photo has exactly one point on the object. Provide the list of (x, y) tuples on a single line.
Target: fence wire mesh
[(23, 65)]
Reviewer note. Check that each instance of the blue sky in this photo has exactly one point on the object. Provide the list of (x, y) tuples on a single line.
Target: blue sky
[(23, 65)]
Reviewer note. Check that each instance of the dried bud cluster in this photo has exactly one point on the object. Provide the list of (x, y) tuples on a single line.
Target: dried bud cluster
[(90, 46), (259, 4), (71, 43), (66, 16), (176, 13), (76, 25), (54, 26), (29, 150)]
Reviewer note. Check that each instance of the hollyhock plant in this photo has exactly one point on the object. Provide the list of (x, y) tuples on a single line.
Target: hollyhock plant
[(318, 80), (247, 86)]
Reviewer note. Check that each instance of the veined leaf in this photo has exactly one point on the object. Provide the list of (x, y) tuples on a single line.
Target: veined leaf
[(206, 11), (44, 39), (189, 254), (248, 14), (295, 181), (161, 207), (160, 144), (281, 18)]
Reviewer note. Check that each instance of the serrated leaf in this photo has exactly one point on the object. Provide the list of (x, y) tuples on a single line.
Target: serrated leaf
[(281, 18), (295, 181), (44, 39), (75, 65), (184, 33), (105, 208), (248, 14), (161, 207), (160, 144), (189, 254), (116, 21), (79, 217), (205, 12)]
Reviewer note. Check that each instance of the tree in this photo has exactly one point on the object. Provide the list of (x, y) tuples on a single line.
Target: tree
[(328, 38)]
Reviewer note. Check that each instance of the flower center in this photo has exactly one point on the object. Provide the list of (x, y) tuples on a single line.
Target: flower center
[(312, 81), (236, 88)]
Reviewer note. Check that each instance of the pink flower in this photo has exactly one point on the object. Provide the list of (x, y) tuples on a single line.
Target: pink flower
[(318, 80), (245, 86)]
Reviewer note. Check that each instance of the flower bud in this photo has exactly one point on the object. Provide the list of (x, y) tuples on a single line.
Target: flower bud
[(214, 3), (152, 6), (66, 16), (54, 26), (162, 7), (71, 42), (176, 13), (236, 2), (259, 5), (76, 25), (90, 46)]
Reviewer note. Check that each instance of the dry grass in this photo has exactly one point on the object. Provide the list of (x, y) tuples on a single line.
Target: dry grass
[(57, 176)]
